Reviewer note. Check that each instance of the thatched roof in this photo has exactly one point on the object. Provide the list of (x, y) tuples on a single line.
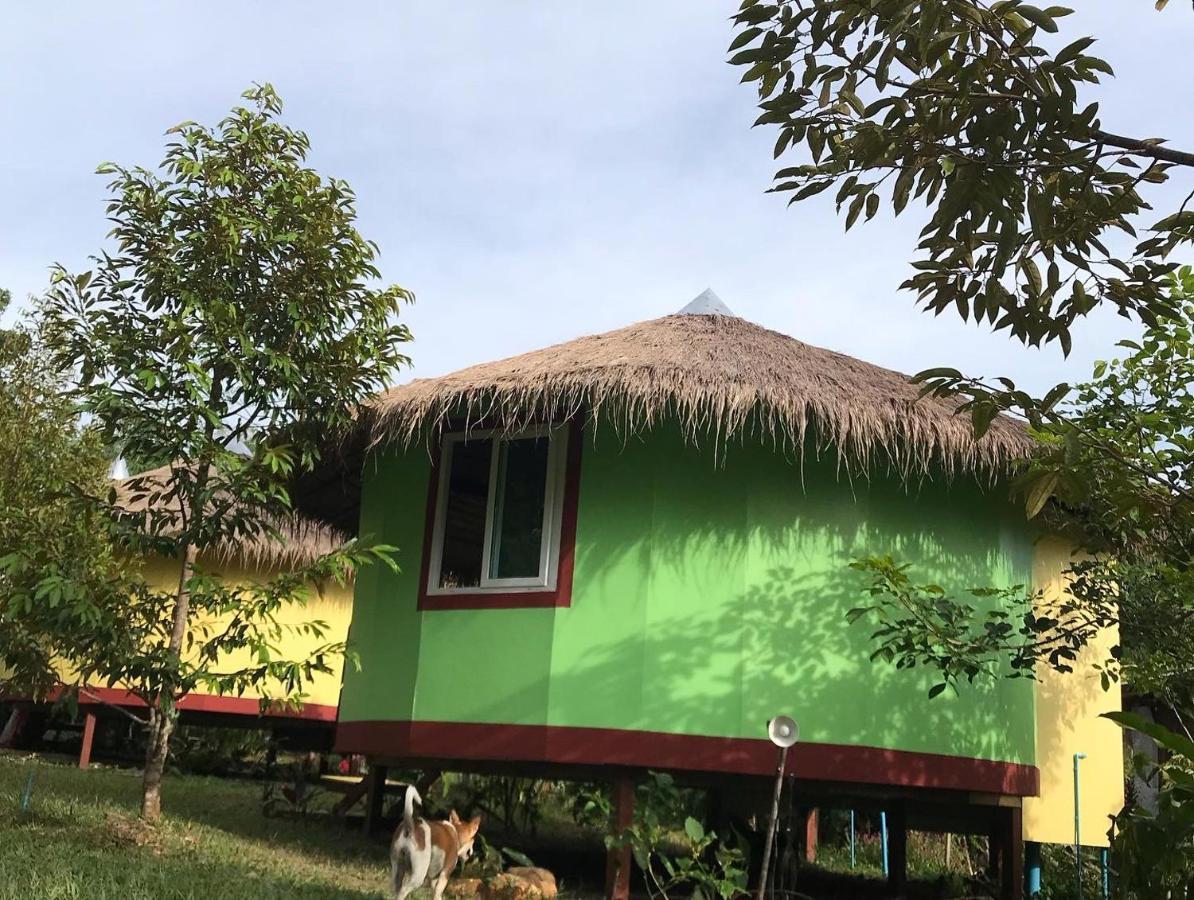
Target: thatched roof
[(722, 377), (302, 539)]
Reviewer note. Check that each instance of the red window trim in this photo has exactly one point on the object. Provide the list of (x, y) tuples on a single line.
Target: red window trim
[(561, 595)]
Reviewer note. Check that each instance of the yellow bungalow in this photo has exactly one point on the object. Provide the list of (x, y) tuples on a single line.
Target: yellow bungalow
[(310, 726)]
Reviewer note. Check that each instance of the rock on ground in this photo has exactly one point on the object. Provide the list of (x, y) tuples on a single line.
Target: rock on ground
[(521, 883)]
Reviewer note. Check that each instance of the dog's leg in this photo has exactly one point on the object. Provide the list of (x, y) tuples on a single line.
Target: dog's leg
[(440, 883), (400, 873), (402, 885), (418, 860)]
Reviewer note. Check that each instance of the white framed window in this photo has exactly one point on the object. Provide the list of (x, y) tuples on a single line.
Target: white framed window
[(498, 512)]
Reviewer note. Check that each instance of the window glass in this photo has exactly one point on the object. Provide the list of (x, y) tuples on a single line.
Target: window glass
[(519, 500), (464, 515)]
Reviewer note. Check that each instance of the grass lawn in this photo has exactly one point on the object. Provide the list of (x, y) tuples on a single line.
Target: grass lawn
[(81, 838)]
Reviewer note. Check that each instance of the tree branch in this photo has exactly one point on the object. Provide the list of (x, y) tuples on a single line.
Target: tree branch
[(120, 709), (1144, 148)]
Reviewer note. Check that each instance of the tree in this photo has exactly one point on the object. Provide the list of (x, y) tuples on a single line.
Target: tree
[(234, 328), (1115, 467), (1036, 216), (957, 103), (54, 562), (1155, 849)]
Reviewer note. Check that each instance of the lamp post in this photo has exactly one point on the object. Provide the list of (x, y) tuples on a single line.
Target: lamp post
[(783, 732), (1078, 757)]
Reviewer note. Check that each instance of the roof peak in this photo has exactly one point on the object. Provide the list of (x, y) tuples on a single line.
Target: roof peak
[(706, 303)]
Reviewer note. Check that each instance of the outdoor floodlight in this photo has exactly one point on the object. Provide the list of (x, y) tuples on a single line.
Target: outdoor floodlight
[(783, 731)]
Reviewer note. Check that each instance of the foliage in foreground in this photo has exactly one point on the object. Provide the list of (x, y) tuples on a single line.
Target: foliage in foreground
[(1154, 852), (1117, 462), (976, 110), (51, 557), (233, 329), (702, 865)]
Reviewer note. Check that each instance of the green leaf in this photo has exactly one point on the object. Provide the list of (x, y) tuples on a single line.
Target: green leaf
[(1037, 17), (855, 208), (1040, 490), (744, 37), (1175, 743), (939, 372), (517, 856), (694, 829), (1033, 274), (1073, 50), (903, 187), (981, 417)]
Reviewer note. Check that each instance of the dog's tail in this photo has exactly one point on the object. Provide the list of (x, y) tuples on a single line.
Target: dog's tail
[(408, 811)]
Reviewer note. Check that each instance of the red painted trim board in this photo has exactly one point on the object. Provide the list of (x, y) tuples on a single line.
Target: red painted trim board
[(204, 703), (645, 749)]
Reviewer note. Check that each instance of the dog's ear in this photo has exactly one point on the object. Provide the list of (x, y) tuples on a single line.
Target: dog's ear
[(453, 818)]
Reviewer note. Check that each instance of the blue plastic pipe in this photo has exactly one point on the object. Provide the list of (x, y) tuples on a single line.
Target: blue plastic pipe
[(852, 856), (1032, 869), (28, 794), (1078, 757), (1103, 864), (883, 839)]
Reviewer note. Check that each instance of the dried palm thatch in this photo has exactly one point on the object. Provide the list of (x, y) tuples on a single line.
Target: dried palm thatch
[(300, 540), (722, 378)]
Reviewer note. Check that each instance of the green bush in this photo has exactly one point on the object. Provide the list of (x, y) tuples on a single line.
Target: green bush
[(692, 862)]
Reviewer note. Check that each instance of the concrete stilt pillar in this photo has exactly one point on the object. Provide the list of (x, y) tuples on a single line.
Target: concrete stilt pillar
[(618, 859), (1032, 869), (88, 740)]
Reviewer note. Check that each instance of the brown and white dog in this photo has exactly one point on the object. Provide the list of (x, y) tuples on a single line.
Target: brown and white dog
[(423, 850)]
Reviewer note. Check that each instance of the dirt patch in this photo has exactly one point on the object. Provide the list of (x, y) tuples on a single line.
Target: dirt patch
[(128, 831)]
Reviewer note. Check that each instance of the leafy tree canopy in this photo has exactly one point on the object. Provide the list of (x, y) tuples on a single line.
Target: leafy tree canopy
[(233, 328), (53, 561), (1038, 214), (1117, 460), (978, 111)]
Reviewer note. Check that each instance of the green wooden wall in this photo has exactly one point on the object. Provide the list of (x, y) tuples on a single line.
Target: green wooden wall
[(708, 596)]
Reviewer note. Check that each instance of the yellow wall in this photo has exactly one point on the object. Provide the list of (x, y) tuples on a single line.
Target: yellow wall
[(332, 604), (1068, 706)]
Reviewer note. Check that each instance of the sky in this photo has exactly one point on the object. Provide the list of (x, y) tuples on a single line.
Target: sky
[(532, 171)]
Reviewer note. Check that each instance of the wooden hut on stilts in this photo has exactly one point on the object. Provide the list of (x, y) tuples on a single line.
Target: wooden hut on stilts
[(299, 541), (627, 552)]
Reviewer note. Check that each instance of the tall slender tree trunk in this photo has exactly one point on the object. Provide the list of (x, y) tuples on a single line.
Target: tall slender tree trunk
[(162, 713), (161, 726)]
